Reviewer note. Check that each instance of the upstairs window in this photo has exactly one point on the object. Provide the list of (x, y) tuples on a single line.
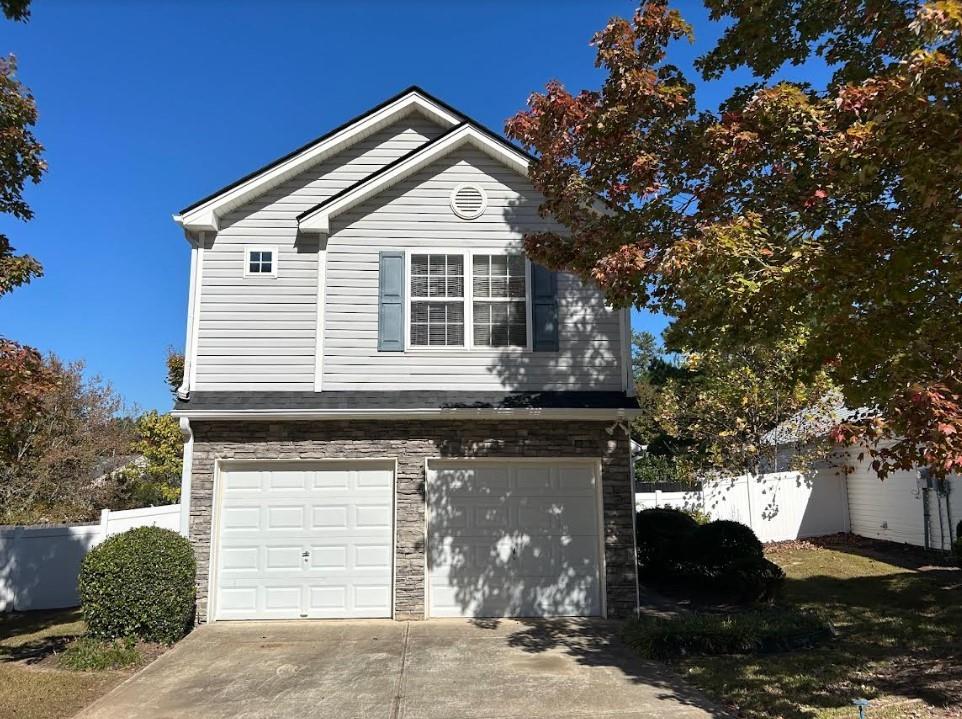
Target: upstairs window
[(500, 307), (260, 262), (437, 300)]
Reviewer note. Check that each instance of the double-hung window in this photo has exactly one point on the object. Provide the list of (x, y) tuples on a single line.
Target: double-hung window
[(437, 300), (500, 308)]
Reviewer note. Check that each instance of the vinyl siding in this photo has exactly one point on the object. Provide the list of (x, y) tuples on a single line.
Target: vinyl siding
[(893, 509), (259, 333), (415, 213)]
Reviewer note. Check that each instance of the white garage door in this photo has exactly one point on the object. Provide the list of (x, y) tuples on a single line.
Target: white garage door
[(297, 542), (517, 539)]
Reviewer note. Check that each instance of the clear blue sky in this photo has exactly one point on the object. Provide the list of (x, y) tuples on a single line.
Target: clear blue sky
[(148, 106)]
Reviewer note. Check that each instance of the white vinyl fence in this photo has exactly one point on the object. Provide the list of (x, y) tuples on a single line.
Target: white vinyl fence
[(903, 507), (39, 565), (777, 506)]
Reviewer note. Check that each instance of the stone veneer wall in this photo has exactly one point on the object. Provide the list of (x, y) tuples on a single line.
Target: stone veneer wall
[(411, 443)]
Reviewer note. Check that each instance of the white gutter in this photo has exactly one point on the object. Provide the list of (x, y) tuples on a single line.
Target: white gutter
[(185, 475), (480, 413)]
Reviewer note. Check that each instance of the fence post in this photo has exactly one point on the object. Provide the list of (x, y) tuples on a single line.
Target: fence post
[(657, 497), (104, 523)]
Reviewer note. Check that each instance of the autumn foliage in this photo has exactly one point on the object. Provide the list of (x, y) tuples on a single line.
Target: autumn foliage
[(829, 212)]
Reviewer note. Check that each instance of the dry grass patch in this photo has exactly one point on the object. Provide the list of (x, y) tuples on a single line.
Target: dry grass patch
[(33, 683)]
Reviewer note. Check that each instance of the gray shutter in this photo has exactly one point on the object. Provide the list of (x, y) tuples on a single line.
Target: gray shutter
[(544, 308), (390, 295)]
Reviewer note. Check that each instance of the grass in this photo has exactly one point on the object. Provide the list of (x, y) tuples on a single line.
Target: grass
[(87, 654), (33, 684), (899, 625)]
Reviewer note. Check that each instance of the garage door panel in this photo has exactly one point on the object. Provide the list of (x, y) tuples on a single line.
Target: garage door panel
[(527, 544), (310, 542)]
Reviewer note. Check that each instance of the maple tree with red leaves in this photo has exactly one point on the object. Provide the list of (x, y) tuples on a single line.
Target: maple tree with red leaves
[(832, 213)]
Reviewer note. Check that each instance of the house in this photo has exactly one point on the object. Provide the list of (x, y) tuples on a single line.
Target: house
[(390, 411)]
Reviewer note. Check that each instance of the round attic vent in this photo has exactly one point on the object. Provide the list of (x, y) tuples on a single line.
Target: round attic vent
[(468, 201)]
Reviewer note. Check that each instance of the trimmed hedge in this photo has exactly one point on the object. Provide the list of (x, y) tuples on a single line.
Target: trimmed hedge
[(755, 632), (723, 541), (720, 559), (139, 583), (661, 534)]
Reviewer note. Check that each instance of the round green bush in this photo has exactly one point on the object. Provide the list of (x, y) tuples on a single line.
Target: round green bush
[(748, 579), (722, 542), (139, 583), (661, 534)]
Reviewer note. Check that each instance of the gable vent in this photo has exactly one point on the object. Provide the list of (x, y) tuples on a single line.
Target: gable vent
[(468, 201)]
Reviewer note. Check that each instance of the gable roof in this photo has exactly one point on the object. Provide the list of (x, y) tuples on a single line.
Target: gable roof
[(204, 214), (317, 219)]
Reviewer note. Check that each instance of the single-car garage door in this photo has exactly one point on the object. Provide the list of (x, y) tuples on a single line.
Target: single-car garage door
[(518, 538), (305, 541)]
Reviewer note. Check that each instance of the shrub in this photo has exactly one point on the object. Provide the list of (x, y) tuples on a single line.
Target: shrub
[(87, 654), (749, 579), (722, 542), (139, 583), (765, 631), (661, 534)]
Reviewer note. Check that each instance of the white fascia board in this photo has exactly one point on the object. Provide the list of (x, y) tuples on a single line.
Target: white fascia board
[(412, 414), (319, 221), (205, 217)]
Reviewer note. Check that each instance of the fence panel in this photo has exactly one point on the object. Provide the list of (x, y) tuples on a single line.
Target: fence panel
[(39, 565), (777, 506)]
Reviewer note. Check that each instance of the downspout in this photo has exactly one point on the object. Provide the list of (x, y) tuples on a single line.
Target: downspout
[(634, 528), (193, 295), (185, 476), (926, 515), (947, 488)]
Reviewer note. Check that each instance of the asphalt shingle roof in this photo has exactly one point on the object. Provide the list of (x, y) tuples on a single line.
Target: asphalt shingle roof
[(404, 399)]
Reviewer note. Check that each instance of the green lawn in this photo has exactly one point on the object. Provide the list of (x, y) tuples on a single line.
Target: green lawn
[(899, 640), (31, 684)]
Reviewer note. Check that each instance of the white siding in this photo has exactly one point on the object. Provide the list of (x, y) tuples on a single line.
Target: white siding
[(258, 333), (892, 509), (415, 213)]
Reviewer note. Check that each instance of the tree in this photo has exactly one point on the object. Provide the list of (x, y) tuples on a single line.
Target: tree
[(57, 451), (746, 412), (830, 214), (20, 160), (16, 9), (157, 479), (175, 370)]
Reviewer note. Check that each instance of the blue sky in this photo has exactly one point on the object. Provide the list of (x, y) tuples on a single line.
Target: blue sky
[(148, 106)]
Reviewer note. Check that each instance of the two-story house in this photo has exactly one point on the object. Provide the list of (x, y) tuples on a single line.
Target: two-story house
[(391, 411)]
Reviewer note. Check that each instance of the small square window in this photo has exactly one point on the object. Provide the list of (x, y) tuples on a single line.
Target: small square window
[(261, 262)]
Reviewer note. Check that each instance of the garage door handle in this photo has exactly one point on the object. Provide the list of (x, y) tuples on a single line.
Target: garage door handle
[(305, 554)]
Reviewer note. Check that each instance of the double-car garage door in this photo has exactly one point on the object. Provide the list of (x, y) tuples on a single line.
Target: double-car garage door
[(299, 540)]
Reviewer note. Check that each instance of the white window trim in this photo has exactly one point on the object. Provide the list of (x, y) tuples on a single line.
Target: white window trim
[(468, 299), (275, 260), (409, 299)]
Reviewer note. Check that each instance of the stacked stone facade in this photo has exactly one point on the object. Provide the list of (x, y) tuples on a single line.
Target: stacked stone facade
[(411, 443)]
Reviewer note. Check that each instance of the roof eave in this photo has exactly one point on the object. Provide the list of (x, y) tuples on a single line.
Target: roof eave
[(203, 215), (318, 219)]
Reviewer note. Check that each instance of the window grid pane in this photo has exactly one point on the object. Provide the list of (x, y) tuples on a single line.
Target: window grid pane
[(501, 321), (437, 276), (437, 324), (260, 262)]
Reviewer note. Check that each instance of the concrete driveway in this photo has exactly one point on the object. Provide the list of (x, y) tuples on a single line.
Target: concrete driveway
[(450, 669)]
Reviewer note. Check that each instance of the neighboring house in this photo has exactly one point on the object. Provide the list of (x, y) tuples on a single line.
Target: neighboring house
[(390, 411)]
